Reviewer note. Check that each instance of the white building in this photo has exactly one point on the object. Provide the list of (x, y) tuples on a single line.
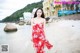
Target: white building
[(27, 16)]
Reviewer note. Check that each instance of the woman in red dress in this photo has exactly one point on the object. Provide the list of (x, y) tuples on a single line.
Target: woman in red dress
[(38, 32)]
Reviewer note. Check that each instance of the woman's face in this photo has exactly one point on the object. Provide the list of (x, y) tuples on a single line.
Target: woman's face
[(39, 13)]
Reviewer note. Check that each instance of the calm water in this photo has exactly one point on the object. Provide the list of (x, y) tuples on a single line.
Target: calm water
[(15, 40)]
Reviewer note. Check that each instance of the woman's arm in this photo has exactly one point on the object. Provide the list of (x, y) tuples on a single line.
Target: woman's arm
[(44, 25)]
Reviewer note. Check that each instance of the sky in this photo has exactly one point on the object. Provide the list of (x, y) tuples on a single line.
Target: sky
[(7, 7)]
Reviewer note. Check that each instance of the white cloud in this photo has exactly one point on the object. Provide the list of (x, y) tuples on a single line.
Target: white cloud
[(7, 7)]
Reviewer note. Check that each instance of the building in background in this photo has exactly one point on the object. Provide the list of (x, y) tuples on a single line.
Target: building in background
[(27, 16), (50, 7), (47, 7), (57, 6)]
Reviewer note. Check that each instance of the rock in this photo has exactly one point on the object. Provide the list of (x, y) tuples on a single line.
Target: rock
[(28, 23), (21, 23), (10, 28)]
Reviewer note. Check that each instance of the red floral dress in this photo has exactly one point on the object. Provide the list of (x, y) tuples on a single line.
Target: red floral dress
[(38, 38)]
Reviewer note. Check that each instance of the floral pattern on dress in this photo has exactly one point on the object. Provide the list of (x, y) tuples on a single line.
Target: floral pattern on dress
[(38, 38)]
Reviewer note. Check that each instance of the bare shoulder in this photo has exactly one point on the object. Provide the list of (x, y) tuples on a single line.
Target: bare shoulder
[(43, 19)]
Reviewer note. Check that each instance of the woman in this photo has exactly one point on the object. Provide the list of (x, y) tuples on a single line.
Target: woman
[(38, 32)]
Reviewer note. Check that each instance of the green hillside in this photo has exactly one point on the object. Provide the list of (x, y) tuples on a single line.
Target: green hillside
[(16, 15)]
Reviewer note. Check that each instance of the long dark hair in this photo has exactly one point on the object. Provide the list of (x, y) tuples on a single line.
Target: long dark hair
[(35, 15)]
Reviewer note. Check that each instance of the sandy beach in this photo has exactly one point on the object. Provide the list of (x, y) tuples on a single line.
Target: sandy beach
[(64, 35)]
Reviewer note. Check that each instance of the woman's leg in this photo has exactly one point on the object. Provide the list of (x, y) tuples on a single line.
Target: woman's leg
[(40, 48)]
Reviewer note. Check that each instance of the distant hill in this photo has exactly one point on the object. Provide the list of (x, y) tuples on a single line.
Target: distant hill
[(16, 15), (0, 21)]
